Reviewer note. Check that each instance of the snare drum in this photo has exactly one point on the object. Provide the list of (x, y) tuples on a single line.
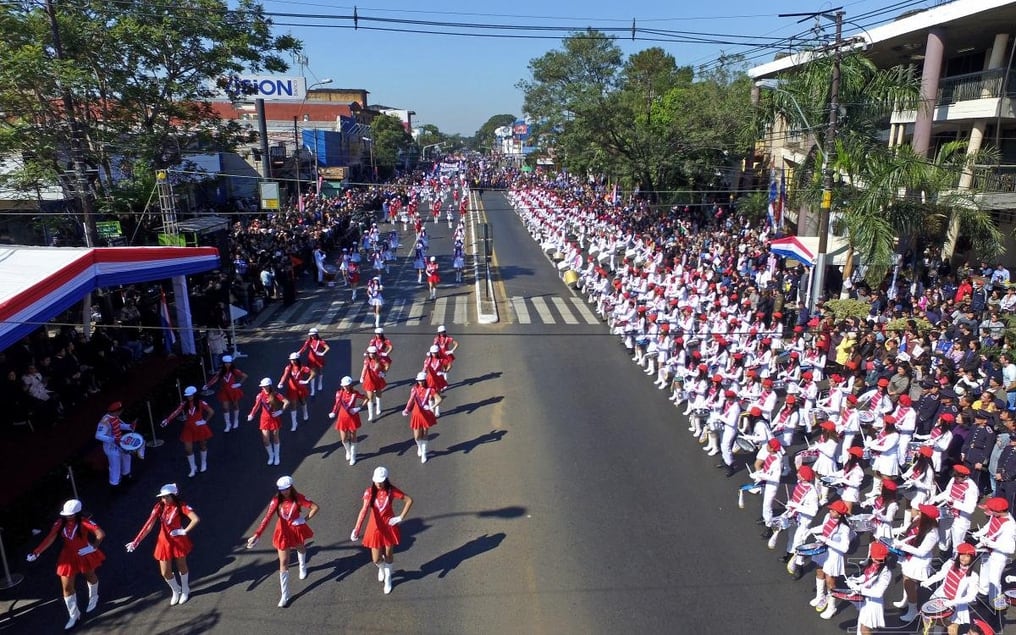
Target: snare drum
[(715, 423), (779, 385), (848, 595), (745, 445), (701, 412), (865, 418), (866, 455), (783, 521), (861, 523), (899, 553), (935, 609), (830, 481), (132, 442), (811, 549), (806, 456), (1010, 596)]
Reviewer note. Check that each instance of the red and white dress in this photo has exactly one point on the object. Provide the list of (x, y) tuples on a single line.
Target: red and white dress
[(195, 425), (421, 413), (316, 348), (230, 390), (443, 341), (271, 410), (434, 366), (292, 375), (373, 374), (170, 517), (345, 402), (379, 533), (433, 277), (291, 528), (77, 554)]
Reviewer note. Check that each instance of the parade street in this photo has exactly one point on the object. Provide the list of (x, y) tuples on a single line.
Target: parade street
[(562, 494)]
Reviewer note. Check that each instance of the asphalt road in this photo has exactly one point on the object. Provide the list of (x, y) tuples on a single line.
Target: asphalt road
[(563, 495)]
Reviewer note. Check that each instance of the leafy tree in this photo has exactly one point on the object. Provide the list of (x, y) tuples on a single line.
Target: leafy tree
[(137, 77), (390, 140), (646, 120), (484, 137)]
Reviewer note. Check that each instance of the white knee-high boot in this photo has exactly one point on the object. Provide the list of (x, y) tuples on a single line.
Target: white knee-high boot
[(284, 588), (292, 418), (72, 611), (175, 588)]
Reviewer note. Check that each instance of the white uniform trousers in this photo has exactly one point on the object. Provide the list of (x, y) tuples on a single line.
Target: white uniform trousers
[(119, 462), (990, 575)]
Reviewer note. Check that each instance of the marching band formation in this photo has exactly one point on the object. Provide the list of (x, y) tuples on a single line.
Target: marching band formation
[(302, 378), (761, 393)]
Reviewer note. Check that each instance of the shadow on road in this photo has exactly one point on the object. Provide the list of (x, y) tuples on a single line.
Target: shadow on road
[(470, 408), (476, 380), (448, 562), (510, 271), (468, 446)]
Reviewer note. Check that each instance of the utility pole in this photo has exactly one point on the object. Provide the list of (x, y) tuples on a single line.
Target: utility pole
[(77, 145), (818, 272), (825, 208)]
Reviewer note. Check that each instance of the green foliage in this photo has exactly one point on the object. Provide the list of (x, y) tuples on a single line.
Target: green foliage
[(646, 120), (841, 309), (138, 76), (898, 325), (389, 138), (484, 137)]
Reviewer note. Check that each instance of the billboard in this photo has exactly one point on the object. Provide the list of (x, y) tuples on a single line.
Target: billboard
[(267, 87), (520, 130)]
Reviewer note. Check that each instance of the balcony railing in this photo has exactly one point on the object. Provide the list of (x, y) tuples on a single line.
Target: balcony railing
[(995, 178), (983, 85)]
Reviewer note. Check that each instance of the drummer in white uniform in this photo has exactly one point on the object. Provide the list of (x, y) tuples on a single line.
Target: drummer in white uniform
[(958, 588), (871, 585), (834, 534), (916, 542), (803, 505), (961, 495), (826, 464), (109, 431), (999, 538)]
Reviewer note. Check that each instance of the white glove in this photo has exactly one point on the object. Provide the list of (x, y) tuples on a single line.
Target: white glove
[(130, 547), (354, 410), (251, 542), (84, 551), (331, 415), (394, 520), (250, 417), (279, 386), (354, 537), (237, 385), (178, 532), (200, 422), (926, 585), (164, 423), (31, 557), (303, 382), (405, 413)]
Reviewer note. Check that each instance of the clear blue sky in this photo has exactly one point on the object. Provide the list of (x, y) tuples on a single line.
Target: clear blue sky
[(457, 83)]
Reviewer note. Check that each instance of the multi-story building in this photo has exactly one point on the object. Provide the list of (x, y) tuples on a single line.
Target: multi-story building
[(963, 51)]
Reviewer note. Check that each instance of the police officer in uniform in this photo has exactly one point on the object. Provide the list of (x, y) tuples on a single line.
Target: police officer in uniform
[(977, 449), (1005, 474), (927, 406)]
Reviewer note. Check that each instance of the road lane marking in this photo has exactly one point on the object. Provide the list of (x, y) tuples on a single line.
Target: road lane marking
[(562, 308), (583, 310), (521, 311), (542, 310)]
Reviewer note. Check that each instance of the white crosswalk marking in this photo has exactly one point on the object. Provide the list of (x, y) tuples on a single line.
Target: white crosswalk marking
[(330, 314), (583, 310), (353, 316), (415, 314), (562, 308), (440, 310), (461, 315), (521, 310), (396, 314), (542, 310)]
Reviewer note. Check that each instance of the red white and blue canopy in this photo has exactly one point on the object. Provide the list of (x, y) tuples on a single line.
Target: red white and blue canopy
[(792, 247), (39, 283)]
